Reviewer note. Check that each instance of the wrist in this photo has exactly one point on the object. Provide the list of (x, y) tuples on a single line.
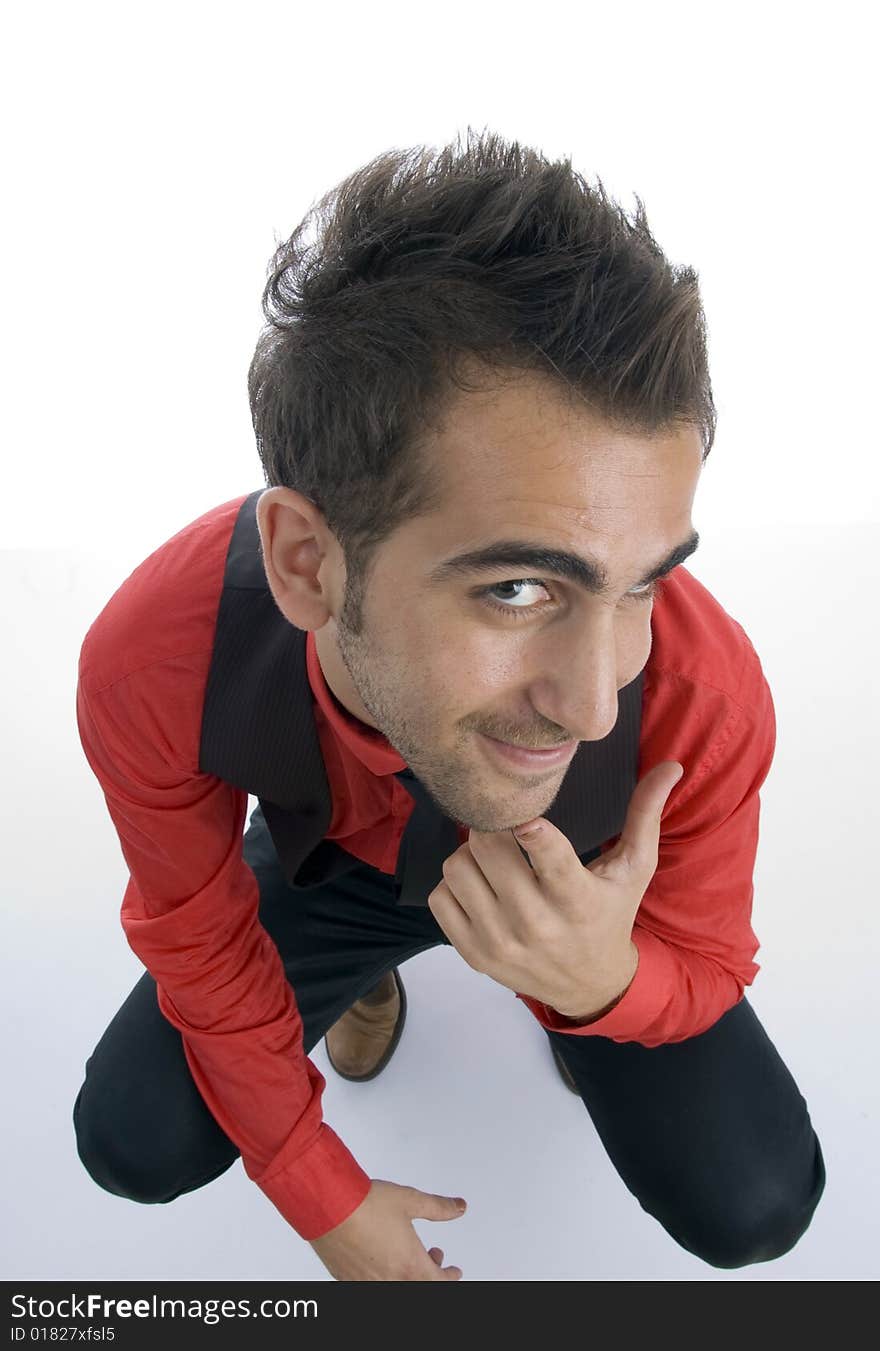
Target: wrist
[(622, 988)]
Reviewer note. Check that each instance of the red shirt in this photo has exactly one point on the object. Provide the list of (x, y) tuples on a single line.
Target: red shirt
[(190, 907)]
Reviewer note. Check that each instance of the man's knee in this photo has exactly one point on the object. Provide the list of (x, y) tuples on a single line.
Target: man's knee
[(129, 1164), (761, 1225), (103, 1153)]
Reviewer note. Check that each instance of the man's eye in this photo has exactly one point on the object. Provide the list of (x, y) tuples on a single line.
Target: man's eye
[(487, 595)]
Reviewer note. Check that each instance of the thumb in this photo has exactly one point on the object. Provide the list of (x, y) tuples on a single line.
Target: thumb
[(430, 1206), (640, 840), (673, 771), (653, 788)]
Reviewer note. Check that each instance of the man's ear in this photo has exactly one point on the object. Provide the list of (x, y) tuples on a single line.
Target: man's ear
[(300, 557)]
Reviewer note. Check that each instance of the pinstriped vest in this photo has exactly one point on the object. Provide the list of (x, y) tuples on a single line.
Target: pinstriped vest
[(258, 730)]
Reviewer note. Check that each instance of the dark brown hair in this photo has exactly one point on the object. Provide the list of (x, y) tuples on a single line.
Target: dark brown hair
[(424, 260)]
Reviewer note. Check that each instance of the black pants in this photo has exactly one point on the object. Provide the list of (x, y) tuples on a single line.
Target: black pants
[(711, 1134)]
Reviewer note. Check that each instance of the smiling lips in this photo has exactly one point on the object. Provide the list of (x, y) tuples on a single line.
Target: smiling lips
[(559, 746), (530, 759), (536, 750)]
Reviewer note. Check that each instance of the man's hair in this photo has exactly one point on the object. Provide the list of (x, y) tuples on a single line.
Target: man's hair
[(426, 265)]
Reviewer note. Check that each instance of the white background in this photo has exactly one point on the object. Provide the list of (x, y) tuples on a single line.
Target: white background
[(154, 156)]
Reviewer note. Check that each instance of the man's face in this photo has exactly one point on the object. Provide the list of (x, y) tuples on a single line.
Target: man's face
[(435, 664)]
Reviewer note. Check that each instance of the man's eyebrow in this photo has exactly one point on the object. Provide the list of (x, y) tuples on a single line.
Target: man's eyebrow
[(527, 557)]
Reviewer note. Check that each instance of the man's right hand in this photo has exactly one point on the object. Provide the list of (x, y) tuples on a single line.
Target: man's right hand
[(378, 1242)]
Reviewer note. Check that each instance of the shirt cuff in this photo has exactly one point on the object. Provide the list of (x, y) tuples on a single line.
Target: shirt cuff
[(318, 1189), (652, 988)]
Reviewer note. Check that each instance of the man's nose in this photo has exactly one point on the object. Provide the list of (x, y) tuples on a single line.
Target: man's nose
[(580, 695)]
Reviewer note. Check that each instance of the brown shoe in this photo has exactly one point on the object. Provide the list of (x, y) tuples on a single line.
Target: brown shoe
[(564, 1071), (361, 1042)]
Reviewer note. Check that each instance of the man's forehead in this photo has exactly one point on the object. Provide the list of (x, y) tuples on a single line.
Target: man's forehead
[(537, 482), (528, 425)]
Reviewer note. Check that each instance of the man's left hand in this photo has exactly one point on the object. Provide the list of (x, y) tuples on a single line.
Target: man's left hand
[(560, 931)]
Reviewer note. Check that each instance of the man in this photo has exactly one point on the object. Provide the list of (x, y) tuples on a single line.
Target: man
[(482, 406)]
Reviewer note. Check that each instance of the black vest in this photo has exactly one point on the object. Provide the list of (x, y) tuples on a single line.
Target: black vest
[(258, 730)]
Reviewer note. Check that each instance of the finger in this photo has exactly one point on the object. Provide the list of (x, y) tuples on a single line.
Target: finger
[(436, 1255), (642, 831), (455, 923), (436, 1272), (639, 842), (430, 1206)]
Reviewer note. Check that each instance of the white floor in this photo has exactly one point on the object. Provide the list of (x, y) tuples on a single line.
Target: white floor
[(471, 1103)]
